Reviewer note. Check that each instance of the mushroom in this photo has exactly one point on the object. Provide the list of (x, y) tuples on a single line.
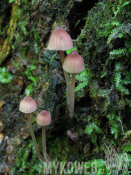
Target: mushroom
[(74, 64), (61, 40), (28, 105), (44, 119)]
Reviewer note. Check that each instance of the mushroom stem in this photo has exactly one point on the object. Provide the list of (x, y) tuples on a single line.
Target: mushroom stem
[(44, 145), (66, 78), (34, 139), (43, 140), (72, 96), (62, 56)]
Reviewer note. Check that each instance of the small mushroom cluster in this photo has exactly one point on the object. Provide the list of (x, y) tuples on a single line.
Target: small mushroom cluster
[(28, 105), (73, 63)]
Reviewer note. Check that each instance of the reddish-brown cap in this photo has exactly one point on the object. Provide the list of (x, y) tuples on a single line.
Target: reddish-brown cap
[(73, 63), (60, 40), (27, 105), (44, 118)]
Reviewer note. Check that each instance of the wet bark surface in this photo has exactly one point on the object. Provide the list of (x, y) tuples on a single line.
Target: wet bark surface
[(25, 28)]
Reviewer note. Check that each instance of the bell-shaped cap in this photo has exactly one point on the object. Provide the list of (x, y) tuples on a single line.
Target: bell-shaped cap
[(60, 40), (27, 105), (44, 118), (73, 63)]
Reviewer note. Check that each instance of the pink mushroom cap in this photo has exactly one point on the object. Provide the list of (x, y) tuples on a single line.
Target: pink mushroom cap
[(60, 40), (27, 105), (44, 118), (73, 63)]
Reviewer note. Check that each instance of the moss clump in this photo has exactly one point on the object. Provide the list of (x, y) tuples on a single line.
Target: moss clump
[(105, 45)]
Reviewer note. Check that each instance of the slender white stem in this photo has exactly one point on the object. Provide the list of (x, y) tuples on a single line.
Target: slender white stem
[(48, 159), (43, 140), (34, 139), (72, 96), (66, 79), (62, 57)]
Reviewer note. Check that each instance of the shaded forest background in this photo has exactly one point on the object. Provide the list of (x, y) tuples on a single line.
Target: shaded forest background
[(101, 33)]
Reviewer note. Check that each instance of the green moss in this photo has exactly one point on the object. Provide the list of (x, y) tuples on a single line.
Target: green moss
[(5, 77), (105, 45)]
